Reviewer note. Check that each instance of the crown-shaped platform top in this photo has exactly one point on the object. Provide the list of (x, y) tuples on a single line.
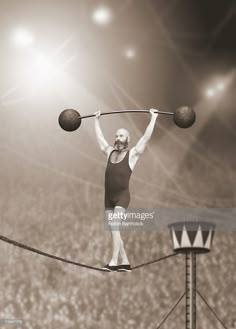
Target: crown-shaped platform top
[(194, 236)]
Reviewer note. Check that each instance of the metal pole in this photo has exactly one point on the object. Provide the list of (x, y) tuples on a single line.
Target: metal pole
[(190, 290)]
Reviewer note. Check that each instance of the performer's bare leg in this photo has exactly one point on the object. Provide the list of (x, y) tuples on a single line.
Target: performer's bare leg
[(124, 258), (117, 243)]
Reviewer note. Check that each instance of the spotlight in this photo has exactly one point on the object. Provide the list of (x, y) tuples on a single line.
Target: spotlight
[(102, 16), (210, 92), (130, 53), (22, 37)]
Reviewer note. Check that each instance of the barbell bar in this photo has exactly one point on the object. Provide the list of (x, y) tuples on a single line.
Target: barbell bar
[(125, 111), (70, 119)]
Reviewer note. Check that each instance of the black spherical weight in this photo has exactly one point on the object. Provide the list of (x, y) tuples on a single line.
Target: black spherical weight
[(184, 117), (69, 120)]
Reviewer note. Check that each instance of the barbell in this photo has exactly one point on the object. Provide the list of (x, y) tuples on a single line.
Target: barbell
[(70, 119)]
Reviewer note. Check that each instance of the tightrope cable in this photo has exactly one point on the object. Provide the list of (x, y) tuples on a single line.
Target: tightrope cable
[(154, 261), (40, 252), (212, 310), (37, 251), (172, 310)]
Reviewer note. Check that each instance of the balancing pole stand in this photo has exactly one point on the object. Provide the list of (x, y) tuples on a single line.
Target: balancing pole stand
[(191, 238), (190, 290)]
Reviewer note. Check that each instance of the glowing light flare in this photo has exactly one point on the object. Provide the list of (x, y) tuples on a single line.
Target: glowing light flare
[(36, 72), (102, 16), (41, 71), (130, 53), (22, 37), (216, 89), (210, 92)]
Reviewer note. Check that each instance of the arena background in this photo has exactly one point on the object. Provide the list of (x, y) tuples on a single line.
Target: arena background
[(159, 54)]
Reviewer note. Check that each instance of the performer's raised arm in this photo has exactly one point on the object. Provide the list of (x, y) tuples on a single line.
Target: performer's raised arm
[(142, 143), (103, 144)]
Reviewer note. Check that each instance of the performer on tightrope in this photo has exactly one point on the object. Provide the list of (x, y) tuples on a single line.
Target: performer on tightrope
[(120, 164)]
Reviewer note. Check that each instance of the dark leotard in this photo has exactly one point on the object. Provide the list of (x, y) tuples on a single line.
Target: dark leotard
[(117, 178)]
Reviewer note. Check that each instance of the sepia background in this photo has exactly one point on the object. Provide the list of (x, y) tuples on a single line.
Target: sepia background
[(110, 55)]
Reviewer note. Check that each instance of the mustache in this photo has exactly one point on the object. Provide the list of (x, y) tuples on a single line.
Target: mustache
[(119, 143)]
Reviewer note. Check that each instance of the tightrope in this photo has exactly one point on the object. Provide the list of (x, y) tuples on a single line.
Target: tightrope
[(40, 252)]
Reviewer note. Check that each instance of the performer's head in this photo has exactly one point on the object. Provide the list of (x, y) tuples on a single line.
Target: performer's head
[(122, 138)]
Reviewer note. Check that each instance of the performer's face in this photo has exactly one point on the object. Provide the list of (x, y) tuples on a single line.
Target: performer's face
[(121, 139)]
